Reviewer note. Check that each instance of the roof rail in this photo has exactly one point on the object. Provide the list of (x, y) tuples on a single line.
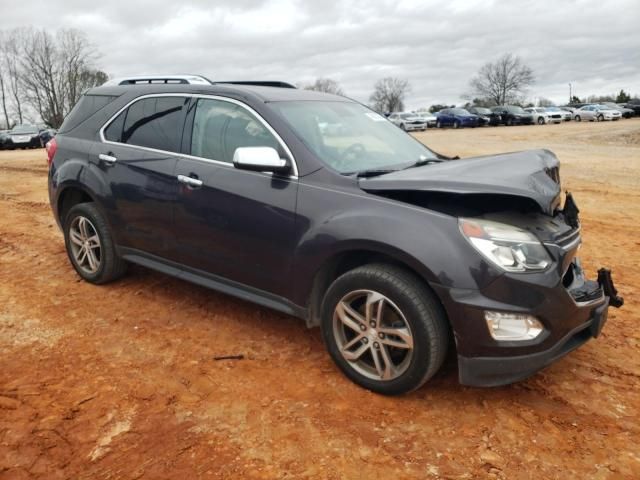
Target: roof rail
[(160, 79), (260, 83)]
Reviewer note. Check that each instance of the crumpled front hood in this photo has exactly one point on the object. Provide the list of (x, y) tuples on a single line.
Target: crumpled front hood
[(532, 174)]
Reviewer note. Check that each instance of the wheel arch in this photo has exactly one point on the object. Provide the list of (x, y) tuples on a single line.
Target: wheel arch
[(71, 195), (348, 259)]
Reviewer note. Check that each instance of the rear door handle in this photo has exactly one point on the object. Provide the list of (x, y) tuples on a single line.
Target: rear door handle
[(190, 181), (107, 158)]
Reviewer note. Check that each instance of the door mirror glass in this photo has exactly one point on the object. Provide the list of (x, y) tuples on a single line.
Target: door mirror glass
[(260, 159)]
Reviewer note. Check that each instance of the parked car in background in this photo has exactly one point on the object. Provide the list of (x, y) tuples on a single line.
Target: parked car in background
[(557, 112), (513, 115), (541, 116), (624, 111), (457, 118), (408, 122), (4, 138), (428, 117), (486, 115), (24, 136), (47, 134), (635, 106), (597, 113)]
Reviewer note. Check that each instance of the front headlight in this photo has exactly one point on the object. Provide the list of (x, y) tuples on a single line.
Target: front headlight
[(508, 247)]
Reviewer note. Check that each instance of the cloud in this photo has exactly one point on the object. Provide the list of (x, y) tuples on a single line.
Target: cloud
[(436, 45)]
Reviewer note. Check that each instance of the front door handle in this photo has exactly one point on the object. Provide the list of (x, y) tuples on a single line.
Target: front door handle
[(104, 157), (190, 181)]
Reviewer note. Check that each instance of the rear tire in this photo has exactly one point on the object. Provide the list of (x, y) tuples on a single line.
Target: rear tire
[(90, 246), (600, 118), (365, 347), (402, 127), (456, 124), (438, 124), (578, 119), (540, 121)]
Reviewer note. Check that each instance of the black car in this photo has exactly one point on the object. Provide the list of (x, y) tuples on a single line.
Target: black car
[(23, 136), (635, 106), (4, 139), (47, 134), (488, 117), (513, 115), (395, 251)]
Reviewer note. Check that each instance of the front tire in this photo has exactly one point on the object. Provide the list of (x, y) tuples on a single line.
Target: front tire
[(438, 124), (90, 246), (384, 329), (578, 119), (540, 121), (599, 118), (456, 124)]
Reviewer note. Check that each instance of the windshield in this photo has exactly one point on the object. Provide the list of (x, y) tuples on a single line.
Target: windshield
[(482, 110), (553, 109), (515, 109), (459, 111), (367, 140), (24, 129)]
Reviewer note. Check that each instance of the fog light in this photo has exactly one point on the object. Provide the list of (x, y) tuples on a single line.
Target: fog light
[(512, 326)]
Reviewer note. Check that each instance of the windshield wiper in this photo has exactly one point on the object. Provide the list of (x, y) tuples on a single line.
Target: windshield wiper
[(424, 161), (374, 172)]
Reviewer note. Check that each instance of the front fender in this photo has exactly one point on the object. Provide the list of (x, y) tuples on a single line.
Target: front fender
[(428, 242)]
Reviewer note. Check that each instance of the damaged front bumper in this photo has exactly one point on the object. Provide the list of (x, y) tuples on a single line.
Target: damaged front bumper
[(570, 321)]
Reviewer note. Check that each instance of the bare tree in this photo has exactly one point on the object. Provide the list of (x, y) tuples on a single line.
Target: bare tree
[(504, 80), (3, 95), (326, 85), (545, 102), (389, 94), (55, 71)]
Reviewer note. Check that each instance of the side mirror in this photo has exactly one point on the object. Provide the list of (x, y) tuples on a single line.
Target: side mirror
[(260, 159)]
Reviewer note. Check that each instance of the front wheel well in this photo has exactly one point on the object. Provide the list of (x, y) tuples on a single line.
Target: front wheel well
[(69, 198), (341, 264)]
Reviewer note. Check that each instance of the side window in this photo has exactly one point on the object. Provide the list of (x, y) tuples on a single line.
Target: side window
[(113, 132), (155, 123), (220, 127)]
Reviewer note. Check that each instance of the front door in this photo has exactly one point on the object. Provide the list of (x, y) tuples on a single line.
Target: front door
[(233, 223)]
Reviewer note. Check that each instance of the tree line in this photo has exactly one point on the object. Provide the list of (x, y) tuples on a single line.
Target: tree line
[(43, 74), (503, 81)]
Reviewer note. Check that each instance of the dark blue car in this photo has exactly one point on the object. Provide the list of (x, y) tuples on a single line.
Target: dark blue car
[(456, 118)]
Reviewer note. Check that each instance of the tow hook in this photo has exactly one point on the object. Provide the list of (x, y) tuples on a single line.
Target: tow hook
[(606, 282)]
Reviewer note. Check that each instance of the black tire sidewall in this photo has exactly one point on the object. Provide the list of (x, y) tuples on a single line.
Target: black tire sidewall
[(423, 364)]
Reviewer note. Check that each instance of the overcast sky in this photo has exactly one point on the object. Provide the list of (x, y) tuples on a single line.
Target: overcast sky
[(436, 45)]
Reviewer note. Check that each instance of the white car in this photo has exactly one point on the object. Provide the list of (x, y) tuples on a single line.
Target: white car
[(430, 118), (557, 112), (597, 113), (408, 121), (540, 115)]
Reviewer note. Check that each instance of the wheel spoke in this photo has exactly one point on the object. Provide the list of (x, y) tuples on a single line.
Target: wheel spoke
[(374, 308), (82, 225), (81, 256), (353, 342), (93, 261), (356, 354), (383, 364), (397, 337), (349, 317), (94, 242), (75, 237)]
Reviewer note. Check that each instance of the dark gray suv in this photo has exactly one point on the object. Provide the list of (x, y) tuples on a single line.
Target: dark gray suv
[(316, 206)]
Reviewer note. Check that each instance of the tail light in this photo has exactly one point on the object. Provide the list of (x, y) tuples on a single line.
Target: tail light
[(51, 147)]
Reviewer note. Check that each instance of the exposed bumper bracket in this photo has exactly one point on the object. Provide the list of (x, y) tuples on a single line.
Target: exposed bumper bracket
[(606, 282)]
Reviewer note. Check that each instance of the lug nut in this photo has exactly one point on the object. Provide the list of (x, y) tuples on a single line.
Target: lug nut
[(363, 327), (381, 335), (376, 345), (373, 324), (365, 340)]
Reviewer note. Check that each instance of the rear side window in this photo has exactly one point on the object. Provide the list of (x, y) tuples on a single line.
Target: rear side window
[(86, 106), (220, 127), (152, 122)]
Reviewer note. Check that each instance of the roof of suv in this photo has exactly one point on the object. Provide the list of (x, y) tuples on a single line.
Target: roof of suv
[(266, 94)]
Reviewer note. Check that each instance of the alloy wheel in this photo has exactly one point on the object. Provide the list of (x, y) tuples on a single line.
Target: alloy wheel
[(85, 244), (373, 335)]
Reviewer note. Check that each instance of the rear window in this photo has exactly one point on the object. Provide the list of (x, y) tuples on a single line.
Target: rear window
[(86, 106), (152, 123)]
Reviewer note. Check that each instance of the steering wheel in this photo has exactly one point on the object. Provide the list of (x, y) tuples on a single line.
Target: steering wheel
[(351, 153)]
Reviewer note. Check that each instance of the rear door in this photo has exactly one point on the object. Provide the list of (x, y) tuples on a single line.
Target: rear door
[(233, 223), (138, 159)]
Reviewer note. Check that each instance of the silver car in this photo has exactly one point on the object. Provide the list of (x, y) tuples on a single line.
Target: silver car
[(428, 117), (408, 121), (557, 112), (541, 116), (597, 113)]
